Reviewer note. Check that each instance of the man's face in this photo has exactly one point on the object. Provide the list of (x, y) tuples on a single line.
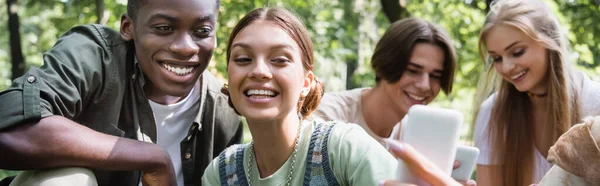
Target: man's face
[(174, 41)]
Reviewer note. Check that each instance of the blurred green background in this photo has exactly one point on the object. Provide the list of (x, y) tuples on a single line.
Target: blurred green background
[(344, 32)]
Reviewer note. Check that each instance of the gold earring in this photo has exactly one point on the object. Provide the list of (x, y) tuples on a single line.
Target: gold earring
[(225, 89)]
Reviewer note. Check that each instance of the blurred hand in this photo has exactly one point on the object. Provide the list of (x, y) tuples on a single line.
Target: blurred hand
[(160, 175), (420, 166), (159, 178), (456, 165)]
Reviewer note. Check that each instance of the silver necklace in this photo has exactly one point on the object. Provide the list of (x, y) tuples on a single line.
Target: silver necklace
[(251, 157)]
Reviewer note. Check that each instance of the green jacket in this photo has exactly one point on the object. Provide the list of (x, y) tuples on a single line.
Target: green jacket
[(91, 76)]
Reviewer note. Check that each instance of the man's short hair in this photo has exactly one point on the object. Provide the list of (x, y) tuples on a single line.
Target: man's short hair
[(394, 49), (134, 5)]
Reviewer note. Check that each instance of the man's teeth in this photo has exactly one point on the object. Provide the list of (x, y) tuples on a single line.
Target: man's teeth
[(256, 92), (415, 97), (178, 70), (518, 75)]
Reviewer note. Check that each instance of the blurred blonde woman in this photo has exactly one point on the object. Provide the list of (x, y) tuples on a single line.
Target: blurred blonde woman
[(535, 95)]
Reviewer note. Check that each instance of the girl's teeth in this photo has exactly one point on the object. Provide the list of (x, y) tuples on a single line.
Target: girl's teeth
[(518, 75), (177, 70), (260, 92)]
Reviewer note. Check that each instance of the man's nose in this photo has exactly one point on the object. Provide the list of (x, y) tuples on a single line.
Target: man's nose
[(184, 46), (423, 82)]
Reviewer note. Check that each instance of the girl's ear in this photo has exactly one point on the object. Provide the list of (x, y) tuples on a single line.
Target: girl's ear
[(308, 81)]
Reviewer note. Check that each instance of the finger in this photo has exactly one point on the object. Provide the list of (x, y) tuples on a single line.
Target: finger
[(418, 164), (456, 165), (469, 183), (393, 183)]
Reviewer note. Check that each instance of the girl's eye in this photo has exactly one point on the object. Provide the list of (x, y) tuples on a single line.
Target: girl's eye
[(496, 59), (519, 52), (242, 60), (280, 60)]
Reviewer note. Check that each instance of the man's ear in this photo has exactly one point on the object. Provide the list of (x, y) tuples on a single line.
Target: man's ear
[(126, 28)]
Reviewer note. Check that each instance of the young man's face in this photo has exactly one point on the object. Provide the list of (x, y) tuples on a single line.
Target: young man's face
[(174, 41)]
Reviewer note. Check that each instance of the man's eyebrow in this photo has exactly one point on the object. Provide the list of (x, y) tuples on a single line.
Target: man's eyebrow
[(210, 17), (415, 65), (421, 67), (163, 16), (170, 18)]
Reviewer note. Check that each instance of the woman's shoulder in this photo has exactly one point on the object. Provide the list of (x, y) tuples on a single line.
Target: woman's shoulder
[(336, 127), (488, 102), (226, 163), (590, 97), (342, 135)]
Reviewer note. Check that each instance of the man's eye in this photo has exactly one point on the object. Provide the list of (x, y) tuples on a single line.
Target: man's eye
[(412, 71), (435, 76), (203, 32), (163, 28)]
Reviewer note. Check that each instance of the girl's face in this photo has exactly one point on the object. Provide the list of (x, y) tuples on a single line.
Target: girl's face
[(420, 83), (519, 59), (266, 75)]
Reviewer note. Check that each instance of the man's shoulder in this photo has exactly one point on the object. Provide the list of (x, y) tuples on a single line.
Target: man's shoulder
[(213, 84), (344, 97), (92, 33)]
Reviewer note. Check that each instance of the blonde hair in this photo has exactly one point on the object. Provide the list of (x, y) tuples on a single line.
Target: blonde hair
[(511, 127)]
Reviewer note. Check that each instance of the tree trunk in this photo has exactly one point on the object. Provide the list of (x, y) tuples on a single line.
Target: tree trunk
[(16, 53), (393, 10), (100, 12), (487, 7), (351, 66)]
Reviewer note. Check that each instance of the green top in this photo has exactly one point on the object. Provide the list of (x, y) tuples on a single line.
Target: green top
[(91, 77), (355, 159)]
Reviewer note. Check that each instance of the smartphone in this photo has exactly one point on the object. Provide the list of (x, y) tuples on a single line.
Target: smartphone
[(433, 132), (467, 156)]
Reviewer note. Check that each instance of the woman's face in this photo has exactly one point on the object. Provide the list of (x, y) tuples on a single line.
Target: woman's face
[(519, 59), (266, 75), (420, 82)]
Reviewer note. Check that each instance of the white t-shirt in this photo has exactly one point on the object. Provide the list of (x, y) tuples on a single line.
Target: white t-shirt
[(172, 125), (346, 106), (590, 106)]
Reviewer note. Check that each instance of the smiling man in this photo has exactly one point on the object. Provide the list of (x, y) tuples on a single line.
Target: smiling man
[(412, 61), (135, 106)]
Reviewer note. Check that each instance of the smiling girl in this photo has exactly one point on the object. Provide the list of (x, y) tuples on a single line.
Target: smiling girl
[(272, 84), (538, 98)]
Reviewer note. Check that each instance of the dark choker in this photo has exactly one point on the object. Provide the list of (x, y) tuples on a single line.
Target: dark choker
[(537, 95)]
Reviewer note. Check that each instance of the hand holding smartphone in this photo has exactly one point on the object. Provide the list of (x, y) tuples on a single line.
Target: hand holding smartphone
[(433, 132), (467, 156)]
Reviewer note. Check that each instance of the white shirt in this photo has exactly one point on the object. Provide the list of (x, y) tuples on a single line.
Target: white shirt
[(590, 106), (173, 123), (346, 106)]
